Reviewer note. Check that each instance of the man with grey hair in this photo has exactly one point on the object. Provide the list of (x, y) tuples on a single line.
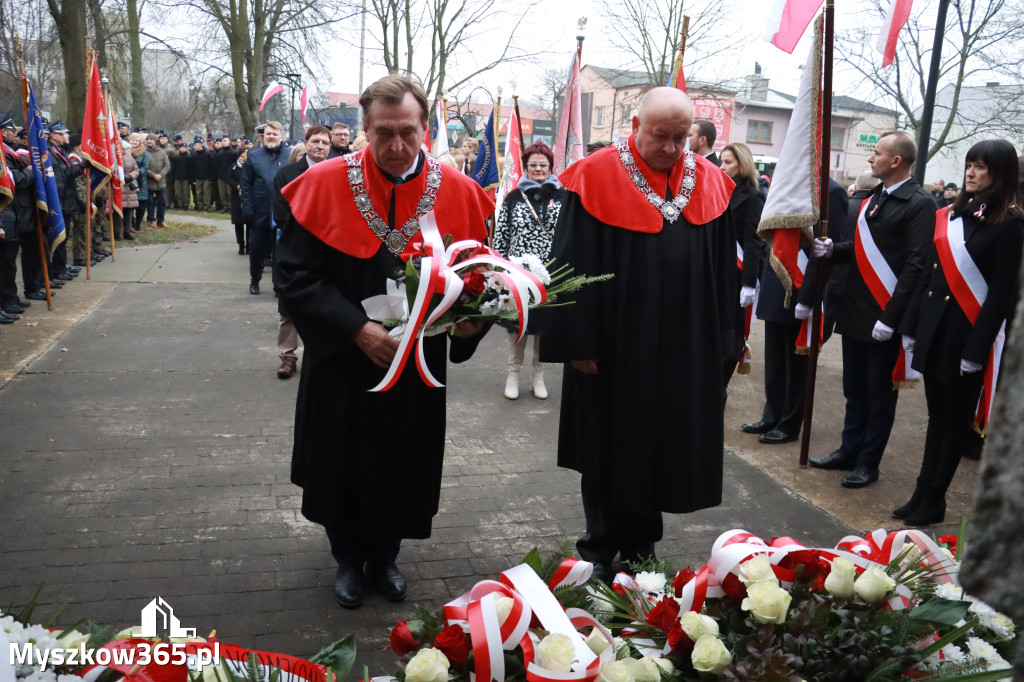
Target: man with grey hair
[(369, 463), (643, 352)]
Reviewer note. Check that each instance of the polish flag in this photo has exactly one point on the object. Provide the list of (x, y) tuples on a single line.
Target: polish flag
[(788, 21), (512, 169), (569, 141), (791, 209), (303, 102), (439, 141), (895, 19), (271, 90)]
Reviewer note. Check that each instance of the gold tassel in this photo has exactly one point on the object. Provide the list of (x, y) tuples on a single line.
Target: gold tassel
[(744, 367), (900, 385)]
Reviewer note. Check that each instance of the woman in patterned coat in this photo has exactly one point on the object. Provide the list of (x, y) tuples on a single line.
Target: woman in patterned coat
[(526, 225)]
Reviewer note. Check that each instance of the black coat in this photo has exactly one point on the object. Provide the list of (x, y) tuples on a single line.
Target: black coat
[(944, 334), (181, 166), (713, 158), (746, 204), (235, 180), (659, 331), (19, 217), (261, 165), (353, 446), (902, 228), (202, 166), (65, 171), (282, 214)]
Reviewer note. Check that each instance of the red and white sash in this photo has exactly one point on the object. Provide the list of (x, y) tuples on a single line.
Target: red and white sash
[(881, 281), (804, 338), (739, 255), (970, 291), (748, 318)]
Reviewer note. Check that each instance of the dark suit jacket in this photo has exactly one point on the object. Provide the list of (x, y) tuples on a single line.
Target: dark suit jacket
[(713, 158), (902, 228), (287, 173), (944, 335)]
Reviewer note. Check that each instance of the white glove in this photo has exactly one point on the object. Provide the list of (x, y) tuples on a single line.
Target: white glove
[(802, 311), (881, 332), (823, 248), (747, 296), (968, 367), (908, 343)]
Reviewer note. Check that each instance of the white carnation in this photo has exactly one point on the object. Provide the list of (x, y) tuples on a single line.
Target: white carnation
[(949, 591), (950, 653), (982, 650), (650, 582), (40, 676), (536, 267)]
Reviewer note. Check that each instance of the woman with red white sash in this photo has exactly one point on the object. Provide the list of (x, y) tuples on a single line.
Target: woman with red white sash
[(959, 316)]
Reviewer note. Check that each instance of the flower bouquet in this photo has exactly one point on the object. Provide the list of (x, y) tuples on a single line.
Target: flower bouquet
[(883, 607), (445, 282)]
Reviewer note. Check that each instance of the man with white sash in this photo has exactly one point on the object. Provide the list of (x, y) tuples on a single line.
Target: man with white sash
[(894, 227)]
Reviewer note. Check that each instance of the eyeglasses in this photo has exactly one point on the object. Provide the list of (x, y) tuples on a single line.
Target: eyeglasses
[(538, 165)]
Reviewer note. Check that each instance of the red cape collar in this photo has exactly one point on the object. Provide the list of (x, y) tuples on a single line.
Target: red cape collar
[(609, 194), (322, 202)]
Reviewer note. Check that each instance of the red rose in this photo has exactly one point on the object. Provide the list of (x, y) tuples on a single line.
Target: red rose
[(473, 282), (452, 643), (401, 640), (733, 588), (808, 558), (682, 577), (677, 639), (664, 614)]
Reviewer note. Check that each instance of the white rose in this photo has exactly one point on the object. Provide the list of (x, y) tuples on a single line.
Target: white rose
[(839, 582), (71, 640), (650, 582), (873, 584), (757, 569), (556, 653), (503, 607), (642, 669), (767, 602), (614, 671), (666, 665), (597, 642), (696, 625), (428, 665), (710, 655)]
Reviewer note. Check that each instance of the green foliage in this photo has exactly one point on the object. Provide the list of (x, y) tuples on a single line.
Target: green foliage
[(338, 656)]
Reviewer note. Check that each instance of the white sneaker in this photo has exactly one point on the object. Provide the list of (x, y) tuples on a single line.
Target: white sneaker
[(512, 386)]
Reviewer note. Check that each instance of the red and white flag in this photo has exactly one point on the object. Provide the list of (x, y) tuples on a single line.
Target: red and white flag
[(895, 19), (303, 102), (569, 142), (513, 167), (438, 143), (6, 181), (791, 209), (271, 90), (117, 177), (788, 21)]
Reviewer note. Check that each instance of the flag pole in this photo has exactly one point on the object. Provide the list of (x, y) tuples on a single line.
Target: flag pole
[(682, 52), (39, 220), (821, 264), (519, 120), (113, 174), (90, 56), (496, 115)]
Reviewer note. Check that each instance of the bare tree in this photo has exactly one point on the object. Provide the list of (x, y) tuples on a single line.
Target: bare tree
[(983, 41), (252, 40), (448, 36), (69, 19), (650, 31), (552, 88), (30, 20)]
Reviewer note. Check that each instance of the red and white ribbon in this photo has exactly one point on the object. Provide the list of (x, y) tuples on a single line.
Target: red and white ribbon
[(970, 290), (881, 282), (439, 274), (571, 572)]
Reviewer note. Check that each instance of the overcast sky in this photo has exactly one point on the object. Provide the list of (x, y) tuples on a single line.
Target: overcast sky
[(550, 30)]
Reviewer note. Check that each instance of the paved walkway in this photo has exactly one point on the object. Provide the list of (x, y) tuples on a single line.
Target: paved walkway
[(145, 451)]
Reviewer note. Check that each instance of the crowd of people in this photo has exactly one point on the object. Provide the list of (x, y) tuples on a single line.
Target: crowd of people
[(915, 282)]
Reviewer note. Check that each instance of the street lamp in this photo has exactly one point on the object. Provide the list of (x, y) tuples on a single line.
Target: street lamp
[(294, 80)]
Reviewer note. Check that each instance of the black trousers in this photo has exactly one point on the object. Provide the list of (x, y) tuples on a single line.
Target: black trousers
[(870, 398), (613, 529), (951, 411), (8, 271), (785, 378), (261, 245), (31, 263), (347, 549), (137, 215), (242, 235), (59, 259), (157, 205)]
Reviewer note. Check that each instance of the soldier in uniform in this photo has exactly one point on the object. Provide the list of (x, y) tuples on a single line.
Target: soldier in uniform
[(17, 223), (181, 170)]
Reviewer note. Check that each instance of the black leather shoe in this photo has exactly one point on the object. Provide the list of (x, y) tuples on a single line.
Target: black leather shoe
[(8, 319), (603, 572), (67, 276), (36, 295), (79, 262), (24, 304), (777, 436), (13, 309), (56, 284), (348, 586), (860, 477), (254, 289), (837, 459), (757, 427), (389, 581), (929, 511)]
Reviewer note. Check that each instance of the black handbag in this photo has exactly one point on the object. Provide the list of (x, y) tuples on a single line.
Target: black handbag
[(132, 184)]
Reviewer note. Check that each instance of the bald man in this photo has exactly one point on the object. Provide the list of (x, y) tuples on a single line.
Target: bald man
[(641, 414)]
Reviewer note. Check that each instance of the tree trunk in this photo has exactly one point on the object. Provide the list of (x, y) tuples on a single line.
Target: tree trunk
[(69, 18), (138, 87), (99, 32)]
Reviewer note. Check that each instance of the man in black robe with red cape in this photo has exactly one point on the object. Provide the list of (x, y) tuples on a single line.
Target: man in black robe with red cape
[(369, 464), (642, 412)]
